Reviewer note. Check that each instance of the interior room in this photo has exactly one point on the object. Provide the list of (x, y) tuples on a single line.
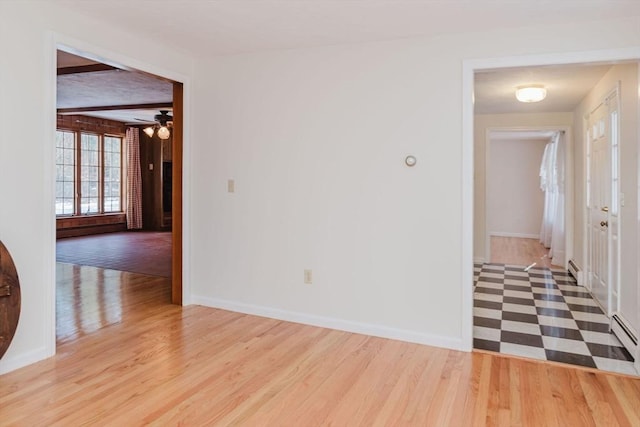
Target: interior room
[(329, 172), (113, 188)]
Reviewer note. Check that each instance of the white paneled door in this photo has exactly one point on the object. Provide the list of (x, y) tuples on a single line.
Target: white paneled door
[(603, 202)]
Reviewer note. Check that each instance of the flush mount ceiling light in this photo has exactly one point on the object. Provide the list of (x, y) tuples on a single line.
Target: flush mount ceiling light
[(531, 93)]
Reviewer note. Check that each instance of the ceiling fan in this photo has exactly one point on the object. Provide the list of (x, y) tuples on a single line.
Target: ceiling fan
[(163, 122)]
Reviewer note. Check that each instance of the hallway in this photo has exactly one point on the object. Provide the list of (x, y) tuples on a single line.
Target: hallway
[(543, 314)]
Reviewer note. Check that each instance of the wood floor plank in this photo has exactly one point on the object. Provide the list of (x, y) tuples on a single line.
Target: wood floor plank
[(126, 356), (519, 251)]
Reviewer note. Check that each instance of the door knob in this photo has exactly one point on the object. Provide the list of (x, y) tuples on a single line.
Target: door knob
[(605, 209), (604, 223)]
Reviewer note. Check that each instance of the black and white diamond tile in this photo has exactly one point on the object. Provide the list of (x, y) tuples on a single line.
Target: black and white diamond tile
[(543, 314)]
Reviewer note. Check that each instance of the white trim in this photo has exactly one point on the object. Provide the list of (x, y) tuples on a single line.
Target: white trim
[(469, 66), (11, 364), (578, 272), (478, 260), (49, 263), (586, 282), (518, 235), (466, 253), (329, 322), (487, 162), (622, 335), (637, 355)]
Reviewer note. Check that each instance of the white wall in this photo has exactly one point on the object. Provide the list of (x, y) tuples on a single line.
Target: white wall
[(627, 75), (315, 139), (483, 123), (27, 120), (514, 200)]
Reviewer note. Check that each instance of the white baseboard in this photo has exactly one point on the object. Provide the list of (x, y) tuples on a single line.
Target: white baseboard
[(11, 364), (332, 323), (478, 260), (519, 235), (626, 333)]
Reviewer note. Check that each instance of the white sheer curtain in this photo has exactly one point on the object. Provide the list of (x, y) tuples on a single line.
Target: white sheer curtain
[(552, 174), (134, 180)]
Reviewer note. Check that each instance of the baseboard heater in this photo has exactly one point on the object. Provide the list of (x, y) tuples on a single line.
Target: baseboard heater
[(624, 334), (575, 271)]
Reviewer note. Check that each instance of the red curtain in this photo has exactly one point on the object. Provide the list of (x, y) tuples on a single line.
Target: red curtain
[(134, 180)]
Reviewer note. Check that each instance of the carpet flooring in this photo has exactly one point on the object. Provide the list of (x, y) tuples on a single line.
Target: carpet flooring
[(143, 252)]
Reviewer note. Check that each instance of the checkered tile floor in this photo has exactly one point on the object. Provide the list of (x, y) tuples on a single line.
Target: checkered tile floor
[(543, 314)]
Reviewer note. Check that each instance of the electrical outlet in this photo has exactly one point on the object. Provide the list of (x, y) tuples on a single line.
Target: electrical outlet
[(231, 186), (308, 277)]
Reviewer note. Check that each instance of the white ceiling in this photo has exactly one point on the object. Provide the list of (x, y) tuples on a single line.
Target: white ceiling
[(233, 26), (566, 86)]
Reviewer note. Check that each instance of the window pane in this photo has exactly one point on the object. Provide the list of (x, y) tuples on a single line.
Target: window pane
[(93, 173), (65, 172), (112, 173), (89, 174), (68, 190), (70, 141), (69, 171)]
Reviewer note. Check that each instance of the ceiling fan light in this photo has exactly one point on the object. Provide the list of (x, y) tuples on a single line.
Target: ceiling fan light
[(148, 131), (163, 132), (531, 93)]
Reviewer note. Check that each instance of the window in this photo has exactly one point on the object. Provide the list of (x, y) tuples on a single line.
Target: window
[(88, 173), (65, 172), (112, 174)]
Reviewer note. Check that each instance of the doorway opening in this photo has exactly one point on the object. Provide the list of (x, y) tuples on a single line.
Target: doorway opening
[(118, 190), (525, 196), (530, 309)]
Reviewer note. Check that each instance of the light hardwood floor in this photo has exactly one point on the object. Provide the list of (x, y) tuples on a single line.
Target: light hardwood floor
[(519, 251), (126, 357)]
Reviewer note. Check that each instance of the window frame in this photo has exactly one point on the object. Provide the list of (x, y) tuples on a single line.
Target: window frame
[(77, 193), (64, 181)]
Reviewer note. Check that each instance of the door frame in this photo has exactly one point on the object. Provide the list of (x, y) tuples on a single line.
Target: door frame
[(469, 68), (610, 307), (180, 215), (568, 183)]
